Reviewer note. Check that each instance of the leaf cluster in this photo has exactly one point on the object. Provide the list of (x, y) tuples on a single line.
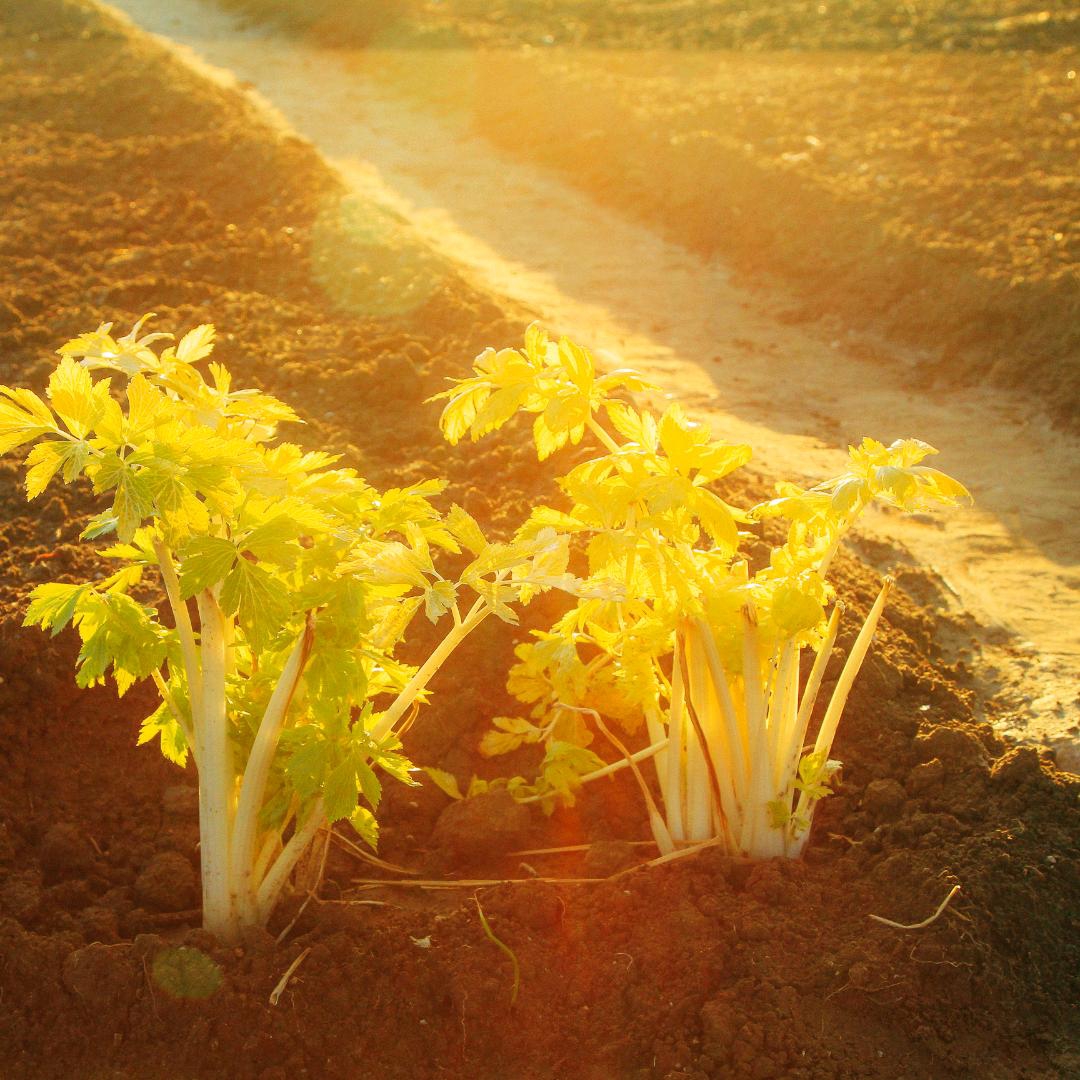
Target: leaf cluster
[(198, 488), (661, 543)]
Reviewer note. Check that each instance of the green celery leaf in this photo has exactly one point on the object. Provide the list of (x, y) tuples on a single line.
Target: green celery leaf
[(367, 828), (204, 561), (339, 791), (260, 601)]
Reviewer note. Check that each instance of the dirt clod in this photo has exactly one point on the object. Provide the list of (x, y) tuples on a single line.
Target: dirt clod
[(953, 746), (481, 828), (102, 975), (167, 884), (883, 799), (1019, 766), (925, 777), (64, 853), (607, 857)]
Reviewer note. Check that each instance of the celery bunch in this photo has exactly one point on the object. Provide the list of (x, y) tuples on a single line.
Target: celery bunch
[(290, 582), (672, 629)]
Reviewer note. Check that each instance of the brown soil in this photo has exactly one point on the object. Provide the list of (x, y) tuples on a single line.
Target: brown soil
[(703, 969), (910, 169)]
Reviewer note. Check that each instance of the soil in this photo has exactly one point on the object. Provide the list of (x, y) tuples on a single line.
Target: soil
[(132, 184), (906, 168)]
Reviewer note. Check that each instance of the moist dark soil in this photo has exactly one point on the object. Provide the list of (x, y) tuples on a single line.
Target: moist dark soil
[(130, 185)]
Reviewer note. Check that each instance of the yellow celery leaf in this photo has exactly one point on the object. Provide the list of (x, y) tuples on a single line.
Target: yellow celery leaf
[(128, 355), (536, 345), (638, 427), (943, 488), (389, 563), (570, 726), (510, 733), (196, 344), (463, 527), (795, 611), (222, 377), (445, 781), (29, 409), (624, 379), (75, 397), (578, 365), (498, 409)]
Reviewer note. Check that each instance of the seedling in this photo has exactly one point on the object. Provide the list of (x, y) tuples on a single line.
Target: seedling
[(289, 583), (673, 629)]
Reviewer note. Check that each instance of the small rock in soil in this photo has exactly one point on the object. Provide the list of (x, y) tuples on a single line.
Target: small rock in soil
[(118, 900), (167, 883), (102, 975), (9, 316), (719, 1024), (766, 883), (482, 828), (883, 799), (65, 853)]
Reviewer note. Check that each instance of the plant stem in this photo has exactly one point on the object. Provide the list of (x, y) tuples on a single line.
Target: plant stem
[(794, 746), (253, 787), (608, 442), (713, 730), (851, 668), (616, 766), (656, 819), (699, 808), (419, 681), (783, 713), (215, 773), (827, 732), (181, 619), (278, 874), (177, 714), (759, 839), (673, 765), (738, 748)]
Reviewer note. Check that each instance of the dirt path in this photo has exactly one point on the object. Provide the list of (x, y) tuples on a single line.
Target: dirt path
[(798, 397)]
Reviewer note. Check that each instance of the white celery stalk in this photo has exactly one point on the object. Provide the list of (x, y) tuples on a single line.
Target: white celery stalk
[(706, 704), (656, 820), (673, 766), (215, 773), (737, 740), (181, 619), (272, 884), (827, 732), (794, 748), (654, 750), (257, 772), (658, 733), (754, 837)]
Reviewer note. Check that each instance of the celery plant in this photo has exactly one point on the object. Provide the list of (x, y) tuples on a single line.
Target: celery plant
[(705, 653), (288, 583)]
